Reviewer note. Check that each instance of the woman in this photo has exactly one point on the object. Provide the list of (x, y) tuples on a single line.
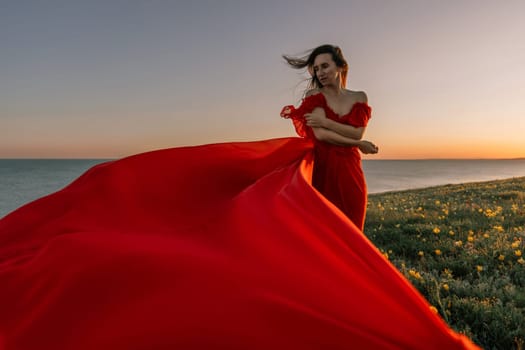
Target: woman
[(337, 118), (219, 246)]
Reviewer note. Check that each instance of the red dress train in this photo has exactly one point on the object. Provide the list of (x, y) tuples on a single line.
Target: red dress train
[(222, 246)]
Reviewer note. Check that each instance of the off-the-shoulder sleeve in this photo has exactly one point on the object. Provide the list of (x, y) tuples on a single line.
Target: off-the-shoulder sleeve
[(360, 115), (297, 114)]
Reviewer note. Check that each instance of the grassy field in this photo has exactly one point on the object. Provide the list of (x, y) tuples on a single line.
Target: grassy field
[(463, 248)]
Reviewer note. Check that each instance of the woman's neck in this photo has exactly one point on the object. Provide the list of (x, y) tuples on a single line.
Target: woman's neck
[(332, 90)]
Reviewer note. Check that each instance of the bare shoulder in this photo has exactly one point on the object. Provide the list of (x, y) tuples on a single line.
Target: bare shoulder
[(358, 96), (312, 92)]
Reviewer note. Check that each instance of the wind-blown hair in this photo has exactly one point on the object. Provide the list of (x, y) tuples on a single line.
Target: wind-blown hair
[(308, 62)]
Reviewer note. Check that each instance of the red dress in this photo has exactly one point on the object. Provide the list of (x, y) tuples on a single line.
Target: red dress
[(222, 246), (337, 174)]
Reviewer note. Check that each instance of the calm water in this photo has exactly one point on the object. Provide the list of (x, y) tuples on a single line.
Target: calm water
[(23, 180), (392, 175)]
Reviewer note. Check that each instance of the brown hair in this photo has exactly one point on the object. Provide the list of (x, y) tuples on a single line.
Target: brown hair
[(308, 61)]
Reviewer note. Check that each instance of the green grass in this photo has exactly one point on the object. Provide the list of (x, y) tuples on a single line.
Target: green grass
[(463, 247)]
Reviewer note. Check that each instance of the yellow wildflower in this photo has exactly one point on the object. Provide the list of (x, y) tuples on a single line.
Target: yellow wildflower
[(501, 257), (521, 261), (499, 228), (451, 233), (486, 235), (420, 253), (437, 202), (436, 230), (445, 287), (515, 244), (458, 243), (470, 238), (479, 268), (414, 274), (517, 252), (490, 214), (437, 252)]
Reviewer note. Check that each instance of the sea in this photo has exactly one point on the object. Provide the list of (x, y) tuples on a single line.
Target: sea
[(24, 180)]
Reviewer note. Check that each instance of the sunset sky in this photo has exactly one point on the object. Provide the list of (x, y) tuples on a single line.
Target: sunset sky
[(107, 79)]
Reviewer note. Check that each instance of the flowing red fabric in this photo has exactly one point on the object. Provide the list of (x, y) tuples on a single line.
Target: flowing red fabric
[(223, 246)]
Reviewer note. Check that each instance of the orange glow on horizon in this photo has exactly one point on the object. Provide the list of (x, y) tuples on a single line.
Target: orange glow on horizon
[(386, 151), (452, 151)]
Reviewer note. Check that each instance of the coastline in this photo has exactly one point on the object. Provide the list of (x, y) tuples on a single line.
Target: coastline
[(494, 182), (393, 175)]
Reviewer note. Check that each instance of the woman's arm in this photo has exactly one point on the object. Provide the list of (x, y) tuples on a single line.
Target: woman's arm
[(318, 119), (332, 137), (344, 129)]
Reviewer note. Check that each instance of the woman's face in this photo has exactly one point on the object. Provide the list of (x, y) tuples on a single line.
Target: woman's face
[(325, 69)]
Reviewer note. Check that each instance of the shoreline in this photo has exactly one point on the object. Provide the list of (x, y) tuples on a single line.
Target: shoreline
[(6, 209), (425, 188)]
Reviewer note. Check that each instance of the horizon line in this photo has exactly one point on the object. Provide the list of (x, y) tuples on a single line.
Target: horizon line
[(115, 158)]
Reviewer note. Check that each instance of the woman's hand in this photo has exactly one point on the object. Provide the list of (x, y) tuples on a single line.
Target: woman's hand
[(316, 119), (368, 147)]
